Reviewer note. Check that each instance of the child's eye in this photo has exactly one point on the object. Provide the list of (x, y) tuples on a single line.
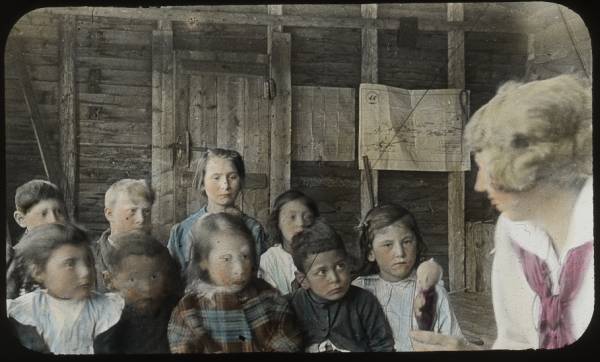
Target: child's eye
[(341, 266), (70, 263), (407, 241), (321, 272), (131, 280), (233, 177)]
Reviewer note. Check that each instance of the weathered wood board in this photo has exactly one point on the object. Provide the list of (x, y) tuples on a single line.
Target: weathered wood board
[(323, 124)]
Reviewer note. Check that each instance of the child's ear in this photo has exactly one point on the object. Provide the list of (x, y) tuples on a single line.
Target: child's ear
[(108, 213), (108, 280), (301, 279), (37, 273), (20, 219), (371, 256)]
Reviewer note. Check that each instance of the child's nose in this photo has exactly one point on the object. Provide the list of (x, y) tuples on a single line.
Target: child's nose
[(139, 216), (334, 277), (398, 250), (83, 272), (225, 183), (52, 217), (144, 286)]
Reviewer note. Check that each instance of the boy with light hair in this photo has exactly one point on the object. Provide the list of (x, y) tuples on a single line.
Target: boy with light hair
[(127, 205)]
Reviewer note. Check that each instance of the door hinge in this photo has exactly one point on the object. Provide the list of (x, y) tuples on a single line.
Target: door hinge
[(269, 89)]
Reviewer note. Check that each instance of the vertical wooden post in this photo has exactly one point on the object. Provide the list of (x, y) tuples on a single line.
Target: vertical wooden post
[(67, 113), (163, 130), (368, 74), (279, 49), (456, 180)]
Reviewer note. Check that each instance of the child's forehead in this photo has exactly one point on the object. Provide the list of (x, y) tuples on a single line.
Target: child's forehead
[(324, 258), (229, 239), (47, 202), (135, 262), (132, 195)]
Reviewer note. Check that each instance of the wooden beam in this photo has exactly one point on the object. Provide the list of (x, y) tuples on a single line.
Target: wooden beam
[(47, 152), (368, 74), (67, 112), (281, 115), (456, 180), (208, 17), (163, 131)]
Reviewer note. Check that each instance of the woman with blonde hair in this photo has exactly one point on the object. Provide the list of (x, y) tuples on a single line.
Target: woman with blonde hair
[(533, 145)]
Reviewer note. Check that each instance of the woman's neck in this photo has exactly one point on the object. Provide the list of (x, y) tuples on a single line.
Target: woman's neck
[(554, 214)]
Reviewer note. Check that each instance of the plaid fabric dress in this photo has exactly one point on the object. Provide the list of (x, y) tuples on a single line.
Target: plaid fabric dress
[(211, 319)]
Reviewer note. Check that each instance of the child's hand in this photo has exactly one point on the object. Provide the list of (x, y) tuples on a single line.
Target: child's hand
[(423, 341)]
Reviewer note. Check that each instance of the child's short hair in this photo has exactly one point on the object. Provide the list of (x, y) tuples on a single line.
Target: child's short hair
[(317, 238), (288, 196), (231, 155), (36, 246), (201, 240), (34, 191), (131, 187), (141, 243), (378, 218)]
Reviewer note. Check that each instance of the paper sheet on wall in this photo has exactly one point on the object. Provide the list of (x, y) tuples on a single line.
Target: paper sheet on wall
[(418, 130)]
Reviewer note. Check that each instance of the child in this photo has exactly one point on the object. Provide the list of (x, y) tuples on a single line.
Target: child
[(142, 271), (225, 307), (334, 315), (127, 205), (67, 315), (292, 212), (37, 202), (221, 175), (392, 246)]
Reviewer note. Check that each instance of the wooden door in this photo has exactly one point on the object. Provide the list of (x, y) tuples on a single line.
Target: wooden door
[(226, 110), (212, 98)]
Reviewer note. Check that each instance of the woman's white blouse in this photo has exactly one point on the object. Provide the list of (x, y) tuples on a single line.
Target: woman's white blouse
[(396, 298), (516, 306)]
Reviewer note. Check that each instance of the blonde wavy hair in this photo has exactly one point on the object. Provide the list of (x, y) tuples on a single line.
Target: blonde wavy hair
[(536, 131)]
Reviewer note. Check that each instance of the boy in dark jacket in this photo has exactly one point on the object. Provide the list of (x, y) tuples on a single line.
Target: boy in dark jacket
[(334, 316)]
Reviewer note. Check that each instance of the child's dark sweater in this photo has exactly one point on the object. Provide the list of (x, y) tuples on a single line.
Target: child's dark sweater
[(136, 333), (356, 322)]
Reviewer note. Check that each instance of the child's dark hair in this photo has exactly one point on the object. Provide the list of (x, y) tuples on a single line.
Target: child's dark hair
[(378, 218), (231, 155), (36, 246), (201, 239), (317, 238), (34, 191), (288, 196), (142, 243)]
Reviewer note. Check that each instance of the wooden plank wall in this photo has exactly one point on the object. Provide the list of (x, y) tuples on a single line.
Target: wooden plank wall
[(114, 84), (114, 79), (553, 51), (39, 36), (490, 60)]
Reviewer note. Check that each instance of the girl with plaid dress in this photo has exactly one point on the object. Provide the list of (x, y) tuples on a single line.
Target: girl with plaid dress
[(226, 308)]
